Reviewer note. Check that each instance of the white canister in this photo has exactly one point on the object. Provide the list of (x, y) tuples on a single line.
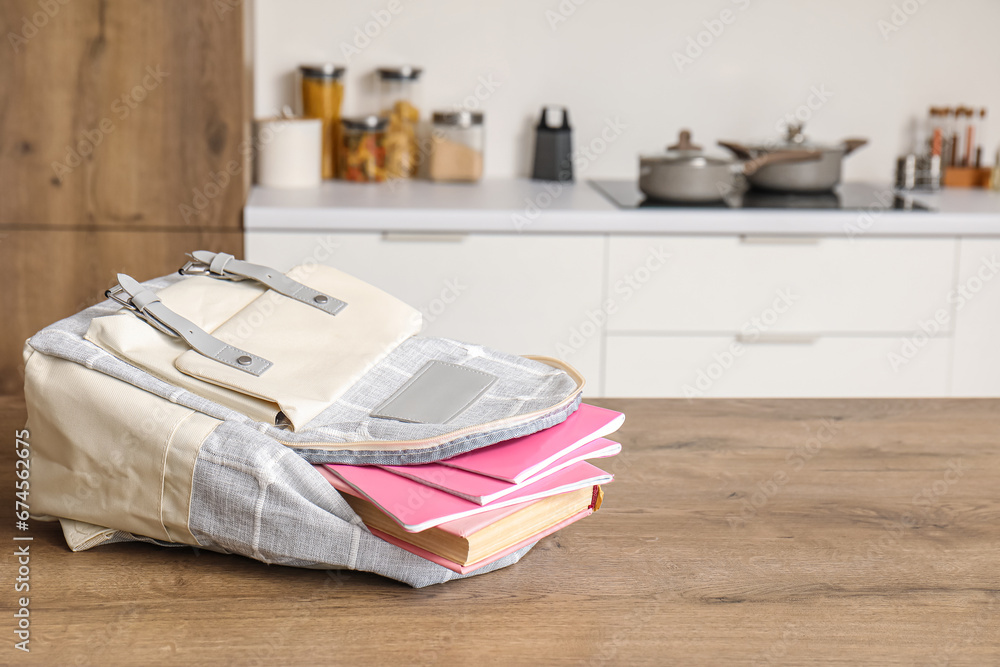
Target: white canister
[(289, 152)]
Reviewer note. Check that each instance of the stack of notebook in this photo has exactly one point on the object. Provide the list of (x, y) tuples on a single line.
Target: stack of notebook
[(468, 511)]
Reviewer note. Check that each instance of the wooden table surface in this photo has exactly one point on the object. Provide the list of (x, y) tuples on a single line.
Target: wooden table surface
[(737, 532)]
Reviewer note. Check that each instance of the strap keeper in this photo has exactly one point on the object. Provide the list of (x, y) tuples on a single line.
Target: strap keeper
[(143, 299), (218, 265)]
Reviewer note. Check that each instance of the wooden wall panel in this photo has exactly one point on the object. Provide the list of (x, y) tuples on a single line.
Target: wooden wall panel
[(143, 103), (114, 116), (58, 273)]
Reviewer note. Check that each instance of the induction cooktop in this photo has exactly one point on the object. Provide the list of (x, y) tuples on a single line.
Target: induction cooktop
[(846, 197)]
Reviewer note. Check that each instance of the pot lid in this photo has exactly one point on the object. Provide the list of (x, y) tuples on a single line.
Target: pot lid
[(686, 152), (795, 140)]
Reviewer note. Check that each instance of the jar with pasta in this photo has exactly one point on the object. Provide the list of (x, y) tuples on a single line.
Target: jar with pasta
[(399, 93), (322, 95), (362, 149), (456, 148)]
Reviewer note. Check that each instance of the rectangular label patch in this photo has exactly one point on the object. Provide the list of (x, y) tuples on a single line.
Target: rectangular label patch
[(436, 394)]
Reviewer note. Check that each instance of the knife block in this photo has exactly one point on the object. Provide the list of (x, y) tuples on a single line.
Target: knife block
[(967, 177)]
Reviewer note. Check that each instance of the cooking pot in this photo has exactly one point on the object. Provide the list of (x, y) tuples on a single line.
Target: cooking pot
[(685, 173), (817, 175)]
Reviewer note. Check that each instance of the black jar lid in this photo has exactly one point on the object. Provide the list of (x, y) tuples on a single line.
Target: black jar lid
[(322, 71), (370, 123), (458, 118), (401, 73)]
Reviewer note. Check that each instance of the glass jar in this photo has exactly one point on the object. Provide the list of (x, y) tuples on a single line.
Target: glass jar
[(456, 151), (362, 149), (322, 95), (399, 102)]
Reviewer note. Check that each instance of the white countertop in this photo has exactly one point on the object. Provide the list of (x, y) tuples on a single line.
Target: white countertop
[(525, 206)]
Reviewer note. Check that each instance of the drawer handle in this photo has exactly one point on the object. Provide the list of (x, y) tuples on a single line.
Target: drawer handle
[(779, 240), (777, 339), (404, 237)]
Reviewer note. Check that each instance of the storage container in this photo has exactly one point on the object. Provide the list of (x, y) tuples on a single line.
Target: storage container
[(362, 150), (322, 95), (456, 146), (399, 103)]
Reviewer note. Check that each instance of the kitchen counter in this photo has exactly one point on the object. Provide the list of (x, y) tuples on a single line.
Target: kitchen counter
[(736, 532), (525, 206)]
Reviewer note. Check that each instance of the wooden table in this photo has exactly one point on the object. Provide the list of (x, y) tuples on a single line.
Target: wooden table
[(737, 532)]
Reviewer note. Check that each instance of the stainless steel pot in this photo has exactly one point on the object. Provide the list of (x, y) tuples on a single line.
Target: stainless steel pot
[(685, 173), (819, 175)]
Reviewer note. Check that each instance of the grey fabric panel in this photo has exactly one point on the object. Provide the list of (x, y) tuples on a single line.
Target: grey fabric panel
[(435, 394), (523, 386), (453, 447), (255, 497)]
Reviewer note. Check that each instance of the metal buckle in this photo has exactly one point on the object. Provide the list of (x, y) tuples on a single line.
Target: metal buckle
[(115, 294), (195, 267)]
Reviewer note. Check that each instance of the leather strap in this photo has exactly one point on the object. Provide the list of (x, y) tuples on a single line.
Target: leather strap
[(226, 267), (147, 305)]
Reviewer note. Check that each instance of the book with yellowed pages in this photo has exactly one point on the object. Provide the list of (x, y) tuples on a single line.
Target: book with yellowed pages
[(469, 543), (417, 507)]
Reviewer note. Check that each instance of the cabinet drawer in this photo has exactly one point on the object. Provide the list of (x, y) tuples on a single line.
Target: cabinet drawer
[(819, 285), (520, 294), (977, 320), (721, 366)]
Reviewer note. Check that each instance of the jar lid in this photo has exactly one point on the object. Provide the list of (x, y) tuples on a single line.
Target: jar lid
[(322, 71), (458, 118), (403, 73), (370, 123)]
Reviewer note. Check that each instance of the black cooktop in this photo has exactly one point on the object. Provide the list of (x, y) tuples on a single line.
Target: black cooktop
[(846, 197)]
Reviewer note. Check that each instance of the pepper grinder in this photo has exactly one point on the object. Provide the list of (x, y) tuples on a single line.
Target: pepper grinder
[(553, 146)]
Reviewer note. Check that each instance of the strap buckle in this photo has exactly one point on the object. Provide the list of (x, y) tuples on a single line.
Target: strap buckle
[(223, 266), (147, 306), (123, 298), (199, 265)]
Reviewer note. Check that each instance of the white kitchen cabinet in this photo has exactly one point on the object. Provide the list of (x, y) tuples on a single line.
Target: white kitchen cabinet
[(798, 284), (976, 301), (721, 366), (529, 295), (817, 318), (641, 301)]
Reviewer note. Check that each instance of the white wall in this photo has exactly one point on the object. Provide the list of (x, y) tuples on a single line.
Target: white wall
[(615, 59)]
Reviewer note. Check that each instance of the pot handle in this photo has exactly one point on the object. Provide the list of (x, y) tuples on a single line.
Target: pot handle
[(851, 145), (739, 150), (750, 166)]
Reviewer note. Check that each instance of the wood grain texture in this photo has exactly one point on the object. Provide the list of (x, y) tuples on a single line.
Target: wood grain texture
[(123, 128), (143, 103), (736, 532), (49, 275)]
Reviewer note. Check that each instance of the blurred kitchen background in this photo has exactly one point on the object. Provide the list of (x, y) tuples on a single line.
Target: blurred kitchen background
[(127, 138), (617, 60)]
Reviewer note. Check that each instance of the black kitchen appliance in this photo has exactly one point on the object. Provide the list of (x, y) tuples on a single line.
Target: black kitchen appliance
[(625, 194)]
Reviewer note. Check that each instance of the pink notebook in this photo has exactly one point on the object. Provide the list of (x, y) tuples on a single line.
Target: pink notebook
[(462, 527), (484, 490), (472, 567), (417, 507), (518, 459)]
